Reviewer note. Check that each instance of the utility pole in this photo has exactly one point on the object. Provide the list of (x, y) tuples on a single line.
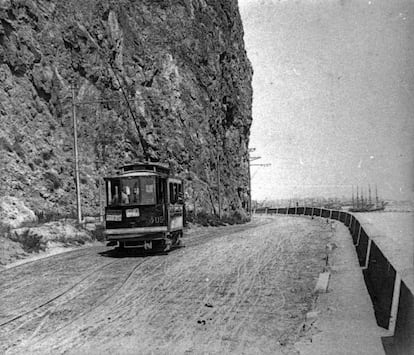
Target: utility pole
[(249, 207), (101, 196), (75, 144), (218, 184), (251, 177)]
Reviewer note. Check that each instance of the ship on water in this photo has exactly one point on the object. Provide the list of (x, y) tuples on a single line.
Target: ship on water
[(362, 204)]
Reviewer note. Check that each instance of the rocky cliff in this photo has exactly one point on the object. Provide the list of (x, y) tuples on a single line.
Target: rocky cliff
[(180, 63)]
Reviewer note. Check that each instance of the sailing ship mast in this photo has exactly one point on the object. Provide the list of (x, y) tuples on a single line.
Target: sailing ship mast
[(357, 198), (366, 204), (353, 201), (369, 193), (362, 197)]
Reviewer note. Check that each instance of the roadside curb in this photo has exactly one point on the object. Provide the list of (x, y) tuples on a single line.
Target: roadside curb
[(323, 282), (344, 316)]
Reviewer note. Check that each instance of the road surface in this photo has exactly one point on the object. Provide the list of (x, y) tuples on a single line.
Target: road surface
[(237, 289)]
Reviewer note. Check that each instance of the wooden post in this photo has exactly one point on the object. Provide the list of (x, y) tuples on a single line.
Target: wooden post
[(367, 255), (101, 199), (355, 225), (351, 225), (249, 207), (359, 235), (395, 303), (218, 184), (76, 157)]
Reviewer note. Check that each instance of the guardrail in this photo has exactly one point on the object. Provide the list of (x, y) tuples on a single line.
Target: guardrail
[(390, 292)]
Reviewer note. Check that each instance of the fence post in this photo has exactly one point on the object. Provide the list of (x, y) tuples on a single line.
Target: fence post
[(395, 302), (352, 225), (367, 255), (359, 235)]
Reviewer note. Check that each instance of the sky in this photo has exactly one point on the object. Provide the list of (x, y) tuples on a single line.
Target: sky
[(333, 96)]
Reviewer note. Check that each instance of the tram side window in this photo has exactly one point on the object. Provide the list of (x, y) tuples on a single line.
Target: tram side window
[(175, 192), (172, 193), (161, 190), (148, 190), (180, 194), (113, 189)]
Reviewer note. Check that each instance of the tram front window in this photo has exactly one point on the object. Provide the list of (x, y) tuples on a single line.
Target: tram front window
[(132, 191)]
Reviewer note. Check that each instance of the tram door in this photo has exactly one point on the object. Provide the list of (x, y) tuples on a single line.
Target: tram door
[(175, 205)]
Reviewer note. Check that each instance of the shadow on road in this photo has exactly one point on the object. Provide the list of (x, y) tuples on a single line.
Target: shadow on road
[(136, 252)]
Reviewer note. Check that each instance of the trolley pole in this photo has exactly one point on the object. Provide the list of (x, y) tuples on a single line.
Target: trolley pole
[(75, 145), (75, 149)]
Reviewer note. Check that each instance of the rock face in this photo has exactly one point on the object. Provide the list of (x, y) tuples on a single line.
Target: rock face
[(181, 64)]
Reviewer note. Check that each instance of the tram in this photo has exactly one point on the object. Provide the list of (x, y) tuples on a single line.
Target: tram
[(144, 207)]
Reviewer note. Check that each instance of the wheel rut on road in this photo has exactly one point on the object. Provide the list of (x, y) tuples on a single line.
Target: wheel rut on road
[(65, 308), (230, 290)]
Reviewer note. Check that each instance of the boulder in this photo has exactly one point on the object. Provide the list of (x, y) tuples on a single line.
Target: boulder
[(64, 232), (10, 251), (14, 213)]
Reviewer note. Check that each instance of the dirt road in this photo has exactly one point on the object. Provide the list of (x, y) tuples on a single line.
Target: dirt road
[(240, 289)]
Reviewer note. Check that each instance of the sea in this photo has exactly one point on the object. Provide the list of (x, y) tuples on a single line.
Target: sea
[(394, 229)]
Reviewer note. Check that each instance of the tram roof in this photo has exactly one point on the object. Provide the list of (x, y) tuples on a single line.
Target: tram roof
[(134, 174), (142, 169), (146, 166)]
